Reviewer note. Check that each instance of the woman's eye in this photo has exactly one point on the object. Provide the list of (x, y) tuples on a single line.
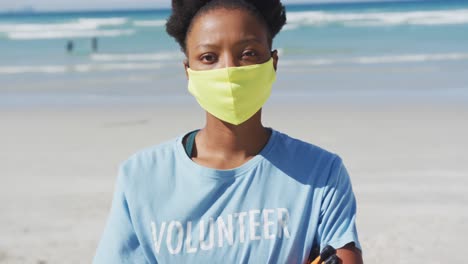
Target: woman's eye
[(208, 58), (249, 53)]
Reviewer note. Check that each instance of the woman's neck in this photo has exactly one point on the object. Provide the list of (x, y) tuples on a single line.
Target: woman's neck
[(224, 146)]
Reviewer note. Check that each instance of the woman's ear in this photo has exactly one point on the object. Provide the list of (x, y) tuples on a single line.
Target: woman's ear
[(186, 66), (274, 55)]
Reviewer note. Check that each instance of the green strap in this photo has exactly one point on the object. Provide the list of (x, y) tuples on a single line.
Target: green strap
[(190, 142)]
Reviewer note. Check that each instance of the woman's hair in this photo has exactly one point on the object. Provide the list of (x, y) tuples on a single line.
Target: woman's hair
[(270, 12)]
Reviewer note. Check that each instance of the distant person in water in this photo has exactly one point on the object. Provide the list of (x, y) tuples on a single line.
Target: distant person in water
[(69, 46), (94, 44)]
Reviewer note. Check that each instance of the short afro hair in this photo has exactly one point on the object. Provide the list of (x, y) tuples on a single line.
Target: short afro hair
[(271, 12)]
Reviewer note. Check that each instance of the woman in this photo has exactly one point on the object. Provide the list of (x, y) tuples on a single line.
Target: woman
[(234, 191)]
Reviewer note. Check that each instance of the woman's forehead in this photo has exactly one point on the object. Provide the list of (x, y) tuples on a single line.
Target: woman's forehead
[(226, 25)]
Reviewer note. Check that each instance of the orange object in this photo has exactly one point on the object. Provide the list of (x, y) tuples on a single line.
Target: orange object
[(326, 253), (317, 260)]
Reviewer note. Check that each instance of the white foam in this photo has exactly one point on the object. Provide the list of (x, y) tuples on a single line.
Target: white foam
[(80, 24), (290, 26), (33, 69), (99, 22), (83, 68), (317, 18), (11, 28), (161, 56), (403, 58), (315, 62), (58, 34), (115, 67), (411, 58), (83, 27), (135, 65), (149, 23)]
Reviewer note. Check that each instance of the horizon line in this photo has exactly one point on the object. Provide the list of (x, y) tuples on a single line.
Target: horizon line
[(32, 11)]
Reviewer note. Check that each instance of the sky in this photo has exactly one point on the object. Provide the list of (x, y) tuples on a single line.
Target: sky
[(60, 5)]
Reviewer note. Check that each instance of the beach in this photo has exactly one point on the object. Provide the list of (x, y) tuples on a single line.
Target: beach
[(407, 164), (383, 85)]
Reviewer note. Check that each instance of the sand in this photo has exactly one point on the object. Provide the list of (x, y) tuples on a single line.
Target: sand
[(408, 165)]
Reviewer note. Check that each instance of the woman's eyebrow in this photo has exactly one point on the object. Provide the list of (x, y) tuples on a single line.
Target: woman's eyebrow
[(249, 40), (240, 42), (206, 46)]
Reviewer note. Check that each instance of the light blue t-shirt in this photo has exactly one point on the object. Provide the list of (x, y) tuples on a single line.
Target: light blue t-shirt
[(272, 209)]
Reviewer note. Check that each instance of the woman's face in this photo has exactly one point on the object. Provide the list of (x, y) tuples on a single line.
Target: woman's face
[(223, 38)]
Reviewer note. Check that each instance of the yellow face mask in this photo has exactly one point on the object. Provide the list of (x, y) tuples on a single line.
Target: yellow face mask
[(233, 94)]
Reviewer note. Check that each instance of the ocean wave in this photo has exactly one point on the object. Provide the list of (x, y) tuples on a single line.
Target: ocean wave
[(411, 58), (79, 24), (33, 69), (133, 63), (115, 67), (320, 18), (100, 22), (63, 34), (403, 58), (161, 56), (149, 23), (12, 28), (82, 27), (80, 68)]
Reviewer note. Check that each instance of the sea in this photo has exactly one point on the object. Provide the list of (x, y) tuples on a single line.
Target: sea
[(370, 52)]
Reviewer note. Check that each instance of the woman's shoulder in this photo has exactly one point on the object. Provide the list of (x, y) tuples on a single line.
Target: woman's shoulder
[(147, 158), (292, 146), (303, 160)]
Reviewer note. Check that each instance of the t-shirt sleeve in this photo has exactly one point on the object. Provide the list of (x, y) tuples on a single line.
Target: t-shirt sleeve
[(337, 225), (119, 242)]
